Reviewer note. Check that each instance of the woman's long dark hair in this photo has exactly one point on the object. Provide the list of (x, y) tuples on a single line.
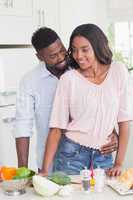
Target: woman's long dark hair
[(98, 41)]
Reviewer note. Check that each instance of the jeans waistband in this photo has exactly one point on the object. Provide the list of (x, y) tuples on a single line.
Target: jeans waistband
[(64, 137)]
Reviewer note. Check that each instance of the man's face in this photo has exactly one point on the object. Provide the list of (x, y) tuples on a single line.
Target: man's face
[(54, 55)]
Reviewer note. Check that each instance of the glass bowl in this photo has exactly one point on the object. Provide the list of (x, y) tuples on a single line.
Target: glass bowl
[(14, 187)]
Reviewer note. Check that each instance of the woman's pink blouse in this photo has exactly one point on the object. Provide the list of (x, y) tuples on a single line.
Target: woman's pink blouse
[(89, 112)]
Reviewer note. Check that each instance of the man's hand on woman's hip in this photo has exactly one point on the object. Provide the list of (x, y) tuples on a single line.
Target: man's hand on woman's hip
[(112, 145)]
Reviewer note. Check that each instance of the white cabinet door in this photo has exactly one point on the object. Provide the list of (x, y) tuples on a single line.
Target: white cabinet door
[(38, 13), (20, 18), (15, 22), (16, 7), (46, 13), (8, 154)]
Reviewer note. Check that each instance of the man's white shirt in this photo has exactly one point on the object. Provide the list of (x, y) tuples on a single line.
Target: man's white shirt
[(34, 103)]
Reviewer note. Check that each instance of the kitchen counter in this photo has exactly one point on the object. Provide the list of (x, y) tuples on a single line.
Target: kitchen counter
[(108, 194)]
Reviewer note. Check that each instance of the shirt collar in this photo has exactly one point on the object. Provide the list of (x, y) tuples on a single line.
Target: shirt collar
[(46, 73), (43, 70)]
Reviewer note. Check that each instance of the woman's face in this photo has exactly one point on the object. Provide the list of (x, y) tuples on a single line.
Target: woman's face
[(83, 52)]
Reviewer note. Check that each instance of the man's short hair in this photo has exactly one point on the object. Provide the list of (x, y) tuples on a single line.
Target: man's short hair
[(43, 37)]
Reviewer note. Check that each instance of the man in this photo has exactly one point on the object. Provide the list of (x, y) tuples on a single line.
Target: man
[(36, 94)]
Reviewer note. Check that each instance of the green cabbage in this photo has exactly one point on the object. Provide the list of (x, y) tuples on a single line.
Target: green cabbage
[(60, 178), (24, 172)]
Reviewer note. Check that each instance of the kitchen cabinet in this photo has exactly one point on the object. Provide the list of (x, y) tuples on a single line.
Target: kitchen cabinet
[(16, 7), (19, 19), (8, 154), (46, 13), (14, 63), (15, 22), (15, 30), (38, 13)]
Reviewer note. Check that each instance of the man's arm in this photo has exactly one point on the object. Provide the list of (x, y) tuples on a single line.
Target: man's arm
[(25, 104), (51, 148), (22, 148), (112, 145)]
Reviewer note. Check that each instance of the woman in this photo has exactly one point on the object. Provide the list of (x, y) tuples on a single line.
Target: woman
[(89, 101)]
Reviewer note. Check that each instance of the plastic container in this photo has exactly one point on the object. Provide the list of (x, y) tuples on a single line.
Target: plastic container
[(85, 178), (99, 175)]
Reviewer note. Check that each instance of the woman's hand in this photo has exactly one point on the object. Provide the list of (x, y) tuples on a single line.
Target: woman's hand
[(114, 171)]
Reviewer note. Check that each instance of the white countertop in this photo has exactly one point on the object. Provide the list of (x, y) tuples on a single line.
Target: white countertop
[(108, 194)]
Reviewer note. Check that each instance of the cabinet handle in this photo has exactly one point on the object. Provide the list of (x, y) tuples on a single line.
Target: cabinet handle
[(9, 120), (43, 18), (39, 18), (8, 93), (11, 3)]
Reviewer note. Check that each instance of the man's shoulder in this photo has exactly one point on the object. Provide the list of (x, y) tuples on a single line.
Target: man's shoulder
[(32, 75)]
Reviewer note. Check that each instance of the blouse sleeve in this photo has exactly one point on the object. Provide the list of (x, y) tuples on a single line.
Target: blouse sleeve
[(60, 110), (126, 95)]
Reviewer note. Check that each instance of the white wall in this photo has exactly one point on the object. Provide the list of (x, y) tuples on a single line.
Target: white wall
[(120, 10), (76, 12)]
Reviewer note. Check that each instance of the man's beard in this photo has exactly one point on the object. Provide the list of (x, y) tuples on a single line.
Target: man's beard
[(61, 66), (57, 71)]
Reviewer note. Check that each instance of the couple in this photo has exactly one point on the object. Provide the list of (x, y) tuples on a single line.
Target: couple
[(83, 114)]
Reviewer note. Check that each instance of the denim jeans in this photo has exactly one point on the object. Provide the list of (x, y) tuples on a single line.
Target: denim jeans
[(72, 157)]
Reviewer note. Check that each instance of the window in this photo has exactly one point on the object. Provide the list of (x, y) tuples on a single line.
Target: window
[(121, 39)]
